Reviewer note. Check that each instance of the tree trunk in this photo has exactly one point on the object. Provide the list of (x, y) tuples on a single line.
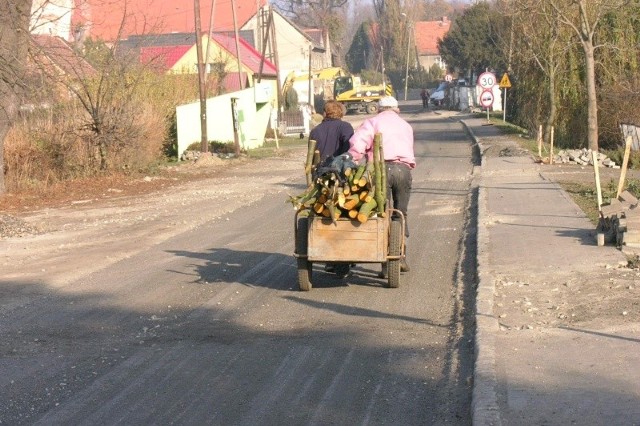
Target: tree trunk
[(551, 115), (592, 100), (4, 128), (14, 39)]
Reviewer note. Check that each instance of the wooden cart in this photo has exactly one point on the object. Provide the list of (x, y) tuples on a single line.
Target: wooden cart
[(378, 240)]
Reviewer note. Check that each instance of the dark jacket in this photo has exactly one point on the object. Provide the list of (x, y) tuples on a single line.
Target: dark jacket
[(332, 137)]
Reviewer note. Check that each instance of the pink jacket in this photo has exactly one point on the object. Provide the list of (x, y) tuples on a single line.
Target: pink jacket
[(397, 138)]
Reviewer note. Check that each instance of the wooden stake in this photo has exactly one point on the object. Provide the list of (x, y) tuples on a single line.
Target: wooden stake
[(551, 148), (540, 141), (384, 181), (594, 155), (308, 166), (378, 164), (625, 164)]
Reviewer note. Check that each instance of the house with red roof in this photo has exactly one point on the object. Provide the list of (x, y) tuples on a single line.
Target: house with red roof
[(427, 34), (112, 20), (297, 49), (177, 54), (119, 20)]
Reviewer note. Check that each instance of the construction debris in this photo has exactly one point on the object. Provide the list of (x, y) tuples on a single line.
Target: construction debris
[(583, 157), (620, 221)]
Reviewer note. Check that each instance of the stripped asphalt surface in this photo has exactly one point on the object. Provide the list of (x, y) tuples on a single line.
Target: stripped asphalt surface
[(206, 325)]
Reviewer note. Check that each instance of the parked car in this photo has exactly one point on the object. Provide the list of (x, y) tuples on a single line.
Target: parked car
[(438, 95)]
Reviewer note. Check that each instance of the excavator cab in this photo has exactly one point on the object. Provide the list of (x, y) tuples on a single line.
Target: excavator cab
[(341, 85)]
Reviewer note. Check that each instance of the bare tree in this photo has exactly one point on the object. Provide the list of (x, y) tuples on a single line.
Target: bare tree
[(583, 17), (14, 40), (395, 23), (111, 86), (328, 15), (359, 11), (312, 12), (540, 41)]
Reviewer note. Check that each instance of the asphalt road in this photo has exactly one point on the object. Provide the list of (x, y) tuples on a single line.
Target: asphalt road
[(208, 326)]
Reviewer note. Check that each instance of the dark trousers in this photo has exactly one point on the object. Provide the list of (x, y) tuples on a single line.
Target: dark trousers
[(399, 181)]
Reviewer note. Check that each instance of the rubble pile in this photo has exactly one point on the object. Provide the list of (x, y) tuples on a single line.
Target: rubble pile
[(621, 221), (583, 157), (204, 158)]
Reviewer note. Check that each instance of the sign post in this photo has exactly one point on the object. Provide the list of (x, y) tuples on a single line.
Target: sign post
[(505, 84), (487, 80), (486, 100)]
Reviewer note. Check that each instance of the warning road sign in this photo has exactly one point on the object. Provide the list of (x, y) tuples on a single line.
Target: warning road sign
[(505, 83)]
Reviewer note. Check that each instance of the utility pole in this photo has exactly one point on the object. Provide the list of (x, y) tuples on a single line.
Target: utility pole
[(384, 83), (236, 126), (258, 25), (204, 140), (406, 75), (237, 38), (206, 56), (272, 30), (265, 40), (310, 79)]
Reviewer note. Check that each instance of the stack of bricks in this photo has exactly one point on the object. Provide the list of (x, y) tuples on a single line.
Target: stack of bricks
[(622, 219)]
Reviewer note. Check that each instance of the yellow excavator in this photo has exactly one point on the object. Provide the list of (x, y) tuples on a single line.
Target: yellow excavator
[(358, 97), (335, 83)]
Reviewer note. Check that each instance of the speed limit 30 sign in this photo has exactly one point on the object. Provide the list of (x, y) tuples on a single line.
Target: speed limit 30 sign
[(487, 80)]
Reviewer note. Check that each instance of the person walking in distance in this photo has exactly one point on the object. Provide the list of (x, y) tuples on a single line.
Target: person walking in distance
[(424, 94), (397, 144)]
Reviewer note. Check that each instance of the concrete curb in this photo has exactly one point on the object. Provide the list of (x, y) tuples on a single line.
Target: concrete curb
[(484, 404)]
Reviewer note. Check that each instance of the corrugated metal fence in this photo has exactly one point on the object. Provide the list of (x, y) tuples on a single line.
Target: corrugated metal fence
[(634, 132)]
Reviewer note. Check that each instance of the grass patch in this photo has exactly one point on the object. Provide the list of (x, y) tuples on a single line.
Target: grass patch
[(524, 140), (271, 149), (508, 128), (586, 197)]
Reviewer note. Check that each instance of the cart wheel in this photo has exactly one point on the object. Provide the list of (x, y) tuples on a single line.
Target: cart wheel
[(304, 274), (304, 266), (395, 247)]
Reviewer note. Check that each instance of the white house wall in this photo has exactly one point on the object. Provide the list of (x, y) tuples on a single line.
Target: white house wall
[(253, 120), (292, 45), (52, 18)]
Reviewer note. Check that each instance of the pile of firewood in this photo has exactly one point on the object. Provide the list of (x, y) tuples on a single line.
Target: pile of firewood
[(343, 189)]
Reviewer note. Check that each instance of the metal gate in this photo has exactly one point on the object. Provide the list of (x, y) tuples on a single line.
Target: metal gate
[(292, 123)]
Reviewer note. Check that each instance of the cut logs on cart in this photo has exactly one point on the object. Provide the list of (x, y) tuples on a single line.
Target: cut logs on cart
[(338, 187)]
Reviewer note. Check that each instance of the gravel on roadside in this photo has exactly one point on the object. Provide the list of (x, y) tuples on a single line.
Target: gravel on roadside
[(11, 226)]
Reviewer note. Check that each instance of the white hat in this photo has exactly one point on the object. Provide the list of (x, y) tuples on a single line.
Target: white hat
[(388, 102)]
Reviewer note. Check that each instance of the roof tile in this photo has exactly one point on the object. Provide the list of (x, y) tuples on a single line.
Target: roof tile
[(427, 34), (103, 19)]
